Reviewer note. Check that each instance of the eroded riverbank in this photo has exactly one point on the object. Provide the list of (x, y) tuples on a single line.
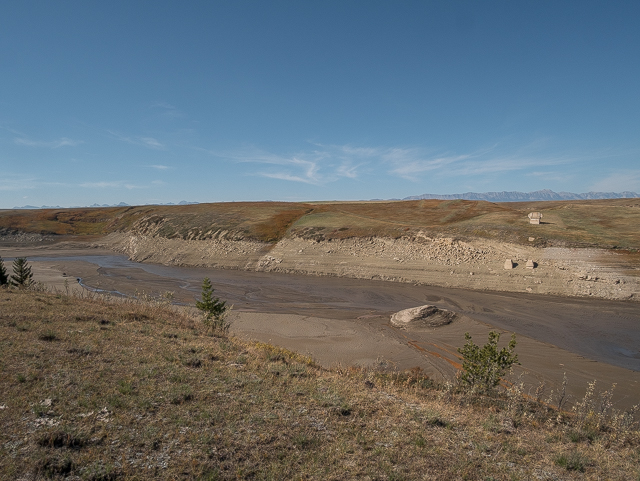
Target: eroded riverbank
[(341, 320), (445, 262)]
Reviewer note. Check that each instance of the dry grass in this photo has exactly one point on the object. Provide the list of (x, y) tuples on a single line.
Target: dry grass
[(98, 389), (60, 221), (276, 227), (603, 223)]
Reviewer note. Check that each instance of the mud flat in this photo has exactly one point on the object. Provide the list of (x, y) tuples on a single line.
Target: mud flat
[(372, 342), (444, 262), (340, 320)]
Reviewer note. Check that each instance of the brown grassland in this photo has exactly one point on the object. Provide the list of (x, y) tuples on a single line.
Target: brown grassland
[(610, 223), (101, 389)]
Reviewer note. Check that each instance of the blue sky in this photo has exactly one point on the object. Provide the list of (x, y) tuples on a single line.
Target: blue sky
[(143, 102)]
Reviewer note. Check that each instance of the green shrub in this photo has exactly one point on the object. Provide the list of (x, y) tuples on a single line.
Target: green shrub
[(22, 276), (482, 368), (4, 277), (214, 310)]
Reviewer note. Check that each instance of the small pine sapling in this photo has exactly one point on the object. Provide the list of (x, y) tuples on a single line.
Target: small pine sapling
[(214, 310), (22, 276), (482, 368), (4, 277)]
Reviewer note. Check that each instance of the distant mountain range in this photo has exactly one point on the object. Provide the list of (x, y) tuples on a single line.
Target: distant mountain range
[(121, 204), (538, 195), (504, 196)]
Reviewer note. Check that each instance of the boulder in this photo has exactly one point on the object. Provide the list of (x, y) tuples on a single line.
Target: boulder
[(422, 317), (508, 264), (530, 264)]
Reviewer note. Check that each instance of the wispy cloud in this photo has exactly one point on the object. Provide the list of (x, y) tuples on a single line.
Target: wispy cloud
[(285, 176), (54, 144), (295, 169), (117, 184), (319, 165), (551, 175), (628, 180), (409, 163), (9, 182), (162, 105), (166, 110), (18, 182), (350, 171), (149, 142), (161, 167)]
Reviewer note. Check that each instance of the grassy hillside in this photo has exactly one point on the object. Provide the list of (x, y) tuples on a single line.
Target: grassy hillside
[(101, 390), (606, 223)]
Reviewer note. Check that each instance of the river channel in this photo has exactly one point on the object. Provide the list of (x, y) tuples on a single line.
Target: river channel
[(601, 330)]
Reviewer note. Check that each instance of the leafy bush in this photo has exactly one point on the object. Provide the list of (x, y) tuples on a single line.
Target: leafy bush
[(215, 311), (483, 367)]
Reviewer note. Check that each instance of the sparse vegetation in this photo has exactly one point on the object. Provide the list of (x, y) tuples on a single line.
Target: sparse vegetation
[(214, 310), (573, 461), (48, 335), (482, 368), (4, 278), (22, 276), (605, 223), (114, 398)]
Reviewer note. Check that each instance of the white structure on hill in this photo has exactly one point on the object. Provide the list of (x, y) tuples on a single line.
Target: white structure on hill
[(535, 217)]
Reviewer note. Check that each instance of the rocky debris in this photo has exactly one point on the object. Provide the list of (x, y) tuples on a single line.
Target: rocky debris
[(441, 250), (439, 261), (10, 236), (422, 317), (587, 277), (206, 253), (267, 263)]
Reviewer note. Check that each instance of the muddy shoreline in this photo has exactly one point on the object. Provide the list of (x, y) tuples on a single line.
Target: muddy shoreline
[(345, 321), (444, 262)]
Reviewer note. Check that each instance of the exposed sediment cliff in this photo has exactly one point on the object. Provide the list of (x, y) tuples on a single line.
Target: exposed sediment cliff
[(440, 261)]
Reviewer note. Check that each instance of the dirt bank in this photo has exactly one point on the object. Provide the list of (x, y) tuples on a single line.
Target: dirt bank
[(367, 341), (441, 261), (346, 321)]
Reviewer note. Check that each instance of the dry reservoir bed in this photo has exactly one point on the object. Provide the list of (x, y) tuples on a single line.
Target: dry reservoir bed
[(345, 321)]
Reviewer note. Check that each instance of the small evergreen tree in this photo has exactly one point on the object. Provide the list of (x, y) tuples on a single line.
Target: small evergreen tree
[(4, 277), (22, 276), (214, 310), (483, 367)]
